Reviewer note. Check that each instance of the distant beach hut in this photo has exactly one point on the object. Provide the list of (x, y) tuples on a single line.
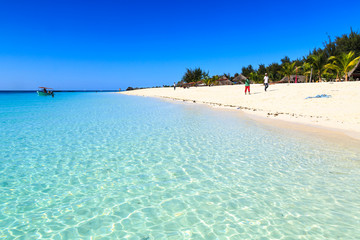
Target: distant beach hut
[(224, 81), (187, 85), (355, 72), (200, 83), (300, 79), (239, 79)]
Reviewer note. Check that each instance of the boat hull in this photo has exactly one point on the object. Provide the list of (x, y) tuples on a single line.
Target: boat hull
[(43, 93)]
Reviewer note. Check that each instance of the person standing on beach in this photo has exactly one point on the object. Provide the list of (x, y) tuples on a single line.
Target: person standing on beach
[(174, 86), (247, 85), (266, 81)]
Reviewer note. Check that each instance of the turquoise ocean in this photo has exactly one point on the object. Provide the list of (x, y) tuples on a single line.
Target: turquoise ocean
[(109, 166)]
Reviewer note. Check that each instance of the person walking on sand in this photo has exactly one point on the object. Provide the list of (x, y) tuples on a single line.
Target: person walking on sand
[(247, 85), (266, 81), (174, 86)]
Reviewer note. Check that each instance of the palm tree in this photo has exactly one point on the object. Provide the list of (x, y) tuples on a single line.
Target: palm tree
[(306, 67), (318, 62), (334, 66), (205, 75), (207, 80), (288, 69), (344, 63), (255, 77)]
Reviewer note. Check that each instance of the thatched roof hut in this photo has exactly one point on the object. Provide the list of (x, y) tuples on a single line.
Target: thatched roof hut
[(187, 85), (239, 79), (200, 83), (300, 79), (355, 72), (224, 81)]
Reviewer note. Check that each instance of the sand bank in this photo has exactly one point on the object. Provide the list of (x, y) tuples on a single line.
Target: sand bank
[(286, 102)]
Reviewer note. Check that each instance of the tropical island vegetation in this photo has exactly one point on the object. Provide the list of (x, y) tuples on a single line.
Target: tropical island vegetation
[(332, 62)]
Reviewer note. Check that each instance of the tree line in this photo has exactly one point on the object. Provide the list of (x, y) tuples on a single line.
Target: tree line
[(331, 62)]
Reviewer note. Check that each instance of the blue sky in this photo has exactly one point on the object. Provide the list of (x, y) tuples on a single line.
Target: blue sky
[(116, 44)]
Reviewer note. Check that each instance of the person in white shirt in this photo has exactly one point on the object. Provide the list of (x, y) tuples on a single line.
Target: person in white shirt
[(266, 81)]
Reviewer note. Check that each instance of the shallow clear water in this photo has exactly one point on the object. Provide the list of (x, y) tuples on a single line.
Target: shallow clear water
[(107, 166)]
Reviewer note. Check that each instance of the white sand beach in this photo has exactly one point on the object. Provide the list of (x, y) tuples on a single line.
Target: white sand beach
[(286, 102)]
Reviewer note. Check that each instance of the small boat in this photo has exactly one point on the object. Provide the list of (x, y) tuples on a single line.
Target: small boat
[(43, 91)]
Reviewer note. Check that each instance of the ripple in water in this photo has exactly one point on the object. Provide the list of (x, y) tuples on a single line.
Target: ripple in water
[(107, 166)]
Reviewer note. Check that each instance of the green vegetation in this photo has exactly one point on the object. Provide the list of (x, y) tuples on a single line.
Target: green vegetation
[(318, 62), (194, 75), (288, 69), (306, 70), (332, 62), (343, 63), (207, 80)]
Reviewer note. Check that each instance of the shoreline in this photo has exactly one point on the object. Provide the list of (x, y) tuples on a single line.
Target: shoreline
[(282, 104)]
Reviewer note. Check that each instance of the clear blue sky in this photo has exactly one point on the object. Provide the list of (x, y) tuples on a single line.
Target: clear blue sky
[(116, 44)]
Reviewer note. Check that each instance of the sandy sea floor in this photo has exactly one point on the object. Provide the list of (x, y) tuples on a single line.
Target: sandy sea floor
[(111, 166)]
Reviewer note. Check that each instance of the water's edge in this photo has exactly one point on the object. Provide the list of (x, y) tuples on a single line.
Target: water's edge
[(332, 134)]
